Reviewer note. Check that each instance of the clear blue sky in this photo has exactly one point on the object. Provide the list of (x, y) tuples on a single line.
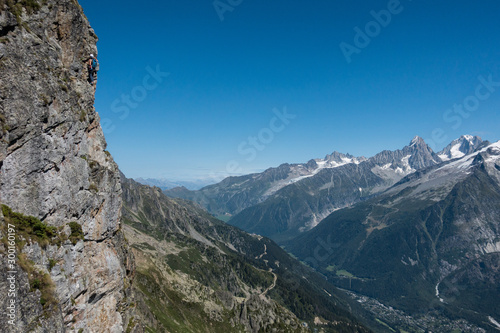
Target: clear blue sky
[(226, 77)]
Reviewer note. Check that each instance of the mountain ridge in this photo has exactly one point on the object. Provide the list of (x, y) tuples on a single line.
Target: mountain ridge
[(282, 202), (445, 221)]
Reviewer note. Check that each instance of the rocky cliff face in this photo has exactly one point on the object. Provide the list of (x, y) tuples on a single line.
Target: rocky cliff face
[(54, 167)]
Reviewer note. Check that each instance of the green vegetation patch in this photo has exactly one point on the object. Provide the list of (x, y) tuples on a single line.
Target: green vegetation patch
[(143, 246), (31, 228), (381, 322), (16, 8), (173, 313), (39, 280), (76, 232), (345, 273), (52, 263), (208, 271), (331, 268), (131, 324)]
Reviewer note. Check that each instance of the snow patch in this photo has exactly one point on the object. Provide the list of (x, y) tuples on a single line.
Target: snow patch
[(493, 321), (448, 174), (455, 151), (321, 163), (437, 293), (468, 137), (444, 157), (411, 261), (405, 160), (406, 169), (414, 141), (492, 248)]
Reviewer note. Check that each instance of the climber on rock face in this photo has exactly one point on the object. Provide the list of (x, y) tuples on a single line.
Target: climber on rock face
[(93, 67)]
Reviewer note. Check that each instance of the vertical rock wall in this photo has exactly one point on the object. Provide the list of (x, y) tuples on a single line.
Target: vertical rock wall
[(53, 166)]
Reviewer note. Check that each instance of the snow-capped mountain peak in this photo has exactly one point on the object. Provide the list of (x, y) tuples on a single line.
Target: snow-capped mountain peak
[(460, 147), (337, 159), (299, 172)]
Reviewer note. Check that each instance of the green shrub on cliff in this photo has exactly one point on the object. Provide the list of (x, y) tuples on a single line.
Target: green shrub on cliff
[(38, 280), (76, 232), (30, 227)]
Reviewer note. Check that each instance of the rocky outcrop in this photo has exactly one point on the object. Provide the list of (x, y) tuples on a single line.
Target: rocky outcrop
[(54, 167)]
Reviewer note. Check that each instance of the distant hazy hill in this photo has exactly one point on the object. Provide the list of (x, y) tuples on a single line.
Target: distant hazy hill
[(165, 184)]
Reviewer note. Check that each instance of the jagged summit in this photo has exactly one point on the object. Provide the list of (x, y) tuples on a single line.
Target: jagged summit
[(417, 141), (336, 159), (464, 145), (415, 156), (421, 154)]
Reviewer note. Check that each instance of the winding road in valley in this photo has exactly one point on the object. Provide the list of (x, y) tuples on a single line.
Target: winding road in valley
[(275, 277), (263, 294)]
